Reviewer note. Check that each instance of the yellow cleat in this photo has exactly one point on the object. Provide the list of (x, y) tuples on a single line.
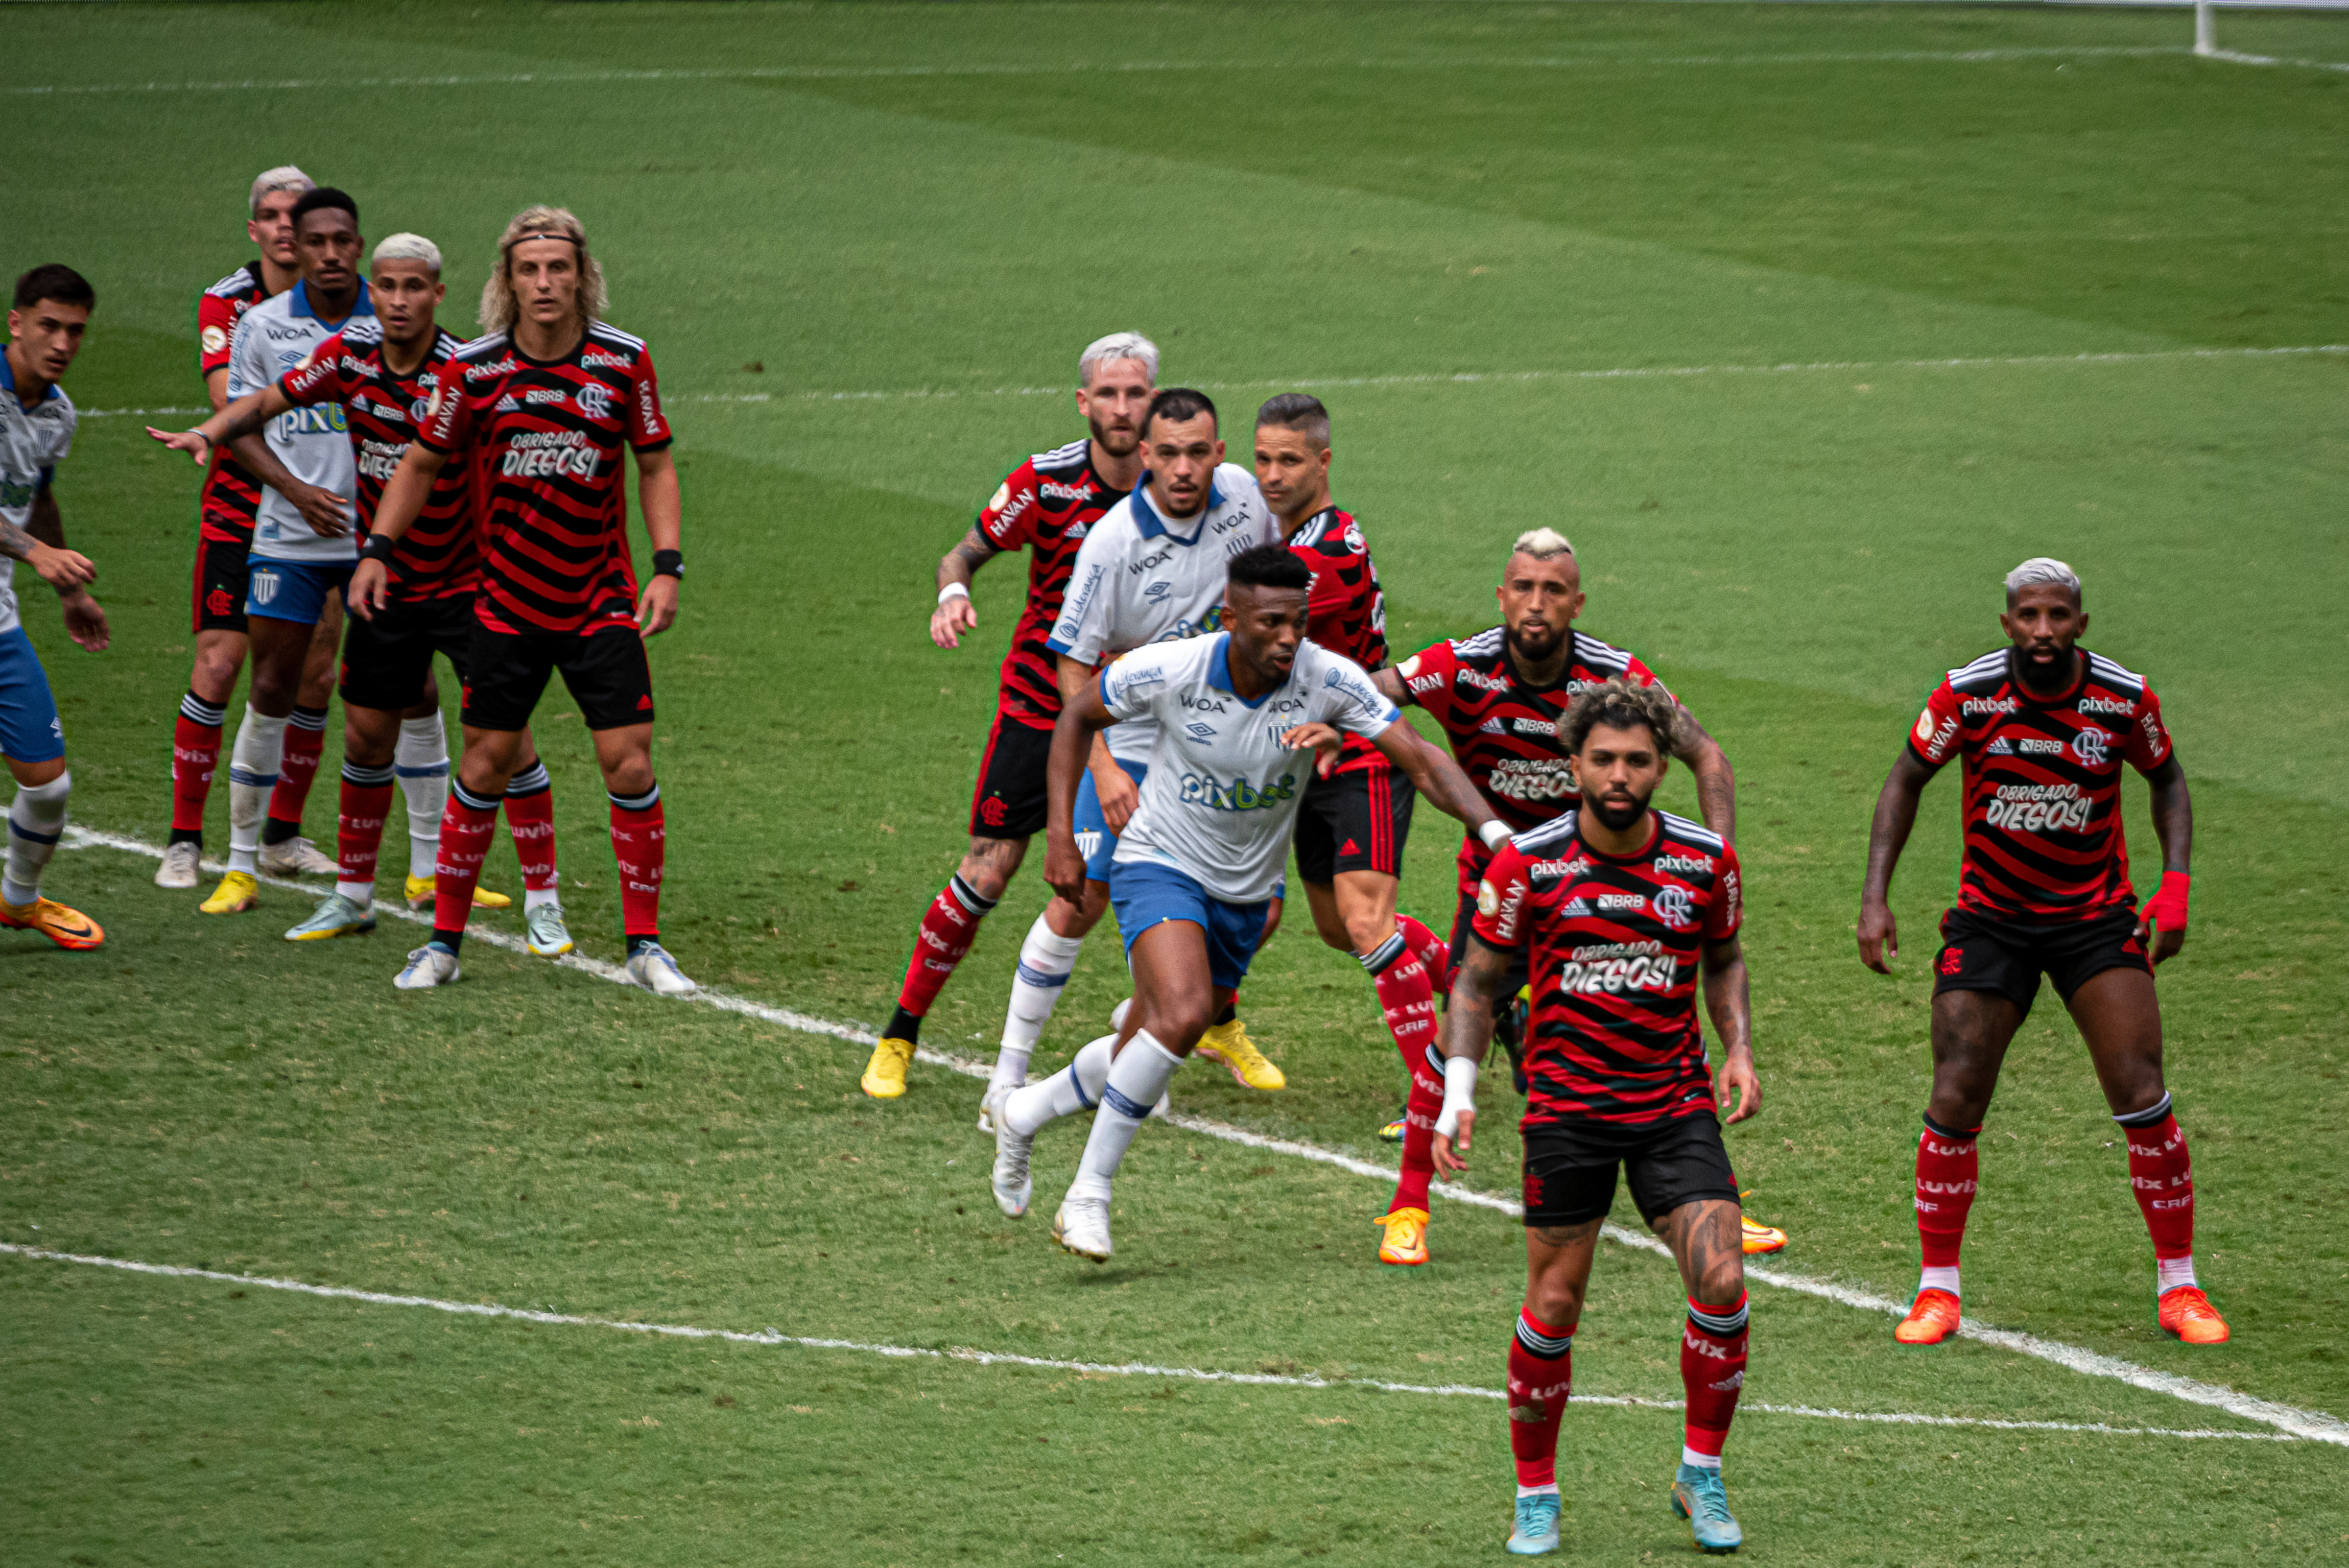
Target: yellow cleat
[(1230, 1043), (69, 929), (884, 1076), (1405, 1244), (420, 894), (1760, 1238), (237, 893)]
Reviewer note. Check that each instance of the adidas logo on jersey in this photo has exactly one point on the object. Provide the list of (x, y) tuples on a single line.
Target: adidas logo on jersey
[(1492, 726), (1575, 909), (506, 404), (1998, 747)]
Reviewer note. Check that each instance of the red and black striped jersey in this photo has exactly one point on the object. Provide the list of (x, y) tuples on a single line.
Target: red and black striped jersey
[(547, 439), (231, 495), (1504, 733), (438, 556), (1045, 505), (2042, 783), (1345, 610), (1614, 944)]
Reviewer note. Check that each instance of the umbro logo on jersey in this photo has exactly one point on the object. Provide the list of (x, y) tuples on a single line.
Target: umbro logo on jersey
[(1156, 592), (1998, 747), (1200, 732)]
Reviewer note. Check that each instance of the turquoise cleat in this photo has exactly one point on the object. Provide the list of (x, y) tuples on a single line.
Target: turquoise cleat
[(1698, 1496), (1536, 1530)]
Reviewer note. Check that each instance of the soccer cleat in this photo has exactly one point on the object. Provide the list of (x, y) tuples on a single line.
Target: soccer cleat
[(1537, 1525), (182, 864), (418, 892), (77, 933), (996, 1092), (1013, 1185), (335, 916), (1392, 1132), (1230, 1043), (2187, 1313), (548, 936), (651, 966), (1760, 1238), (1699, 1497), (296, 857), (885, 1075), (429, 966), (237, 893), (1931, 1320), (1405, 1242), (1082, 1227)]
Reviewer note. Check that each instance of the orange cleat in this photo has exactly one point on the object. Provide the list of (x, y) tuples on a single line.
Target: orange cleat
[(1932, 1320), (1760, 1238), (1405, 1244), (2187, 1313), (69, 929)]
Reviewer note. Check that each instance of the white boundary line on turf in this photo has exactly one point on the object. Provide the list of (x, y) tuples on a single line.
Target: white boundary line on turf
[(770, 1336), (2312, 1424)]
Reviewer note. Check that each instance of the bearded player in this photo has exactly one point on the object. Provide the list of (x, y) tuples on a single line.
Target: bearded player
[(1047, 505), (1236, 717), (1619, 912), (2043, 727), (547, 402)]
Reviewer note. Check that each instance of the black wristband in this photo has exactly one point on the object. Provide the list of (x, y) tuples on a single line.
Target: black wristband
[(378, 547), (670, 563)]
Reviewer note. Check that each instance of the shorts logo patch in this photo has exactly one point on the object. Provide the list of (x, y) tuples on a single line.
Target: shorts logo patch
[(991, 811), (1348, 847), (1533, 1190), (645, 703), (1952, 959), (219, 602)]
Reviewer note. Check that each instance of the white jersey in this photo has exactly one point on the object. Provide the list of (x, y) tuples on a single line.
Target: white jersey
[(313, 442), (33, 442), (1220, 803), (1142, 578)]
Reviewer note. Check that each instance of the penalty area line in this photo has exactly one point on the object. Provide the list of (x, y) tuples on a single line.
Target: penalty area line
[(776, 1337), (2315, 1425)]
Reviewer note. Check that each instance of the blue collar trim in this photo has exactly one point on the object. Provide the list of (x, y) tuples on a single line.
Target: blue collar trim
[(8, 381), (1219, 673), (298, 303), (1154, 527)]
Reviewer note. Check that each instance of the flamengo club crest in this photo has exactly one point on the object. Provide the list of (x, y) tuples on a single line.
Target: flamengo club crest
[(2089, 746), (596, 401), (1674, 905)]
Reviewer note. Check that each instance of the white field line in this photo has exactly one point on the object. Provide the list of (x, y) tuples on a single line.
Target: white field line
[(2312, 1424), (1467, 378), (772, 1337)]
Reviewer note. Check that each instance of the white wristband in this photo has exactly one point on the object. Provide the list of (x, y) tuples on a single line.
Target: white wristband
[(1459, 1093), (1495, 834), (953, 590)]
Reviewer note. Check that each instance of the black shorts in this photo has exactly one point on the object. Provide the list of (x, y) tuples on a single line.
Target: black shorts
[(1519, 976), (1570, 1168), (605, 674), (1009, 801), (1354, 822), (386, 660), (1981, 952), (220, 587)]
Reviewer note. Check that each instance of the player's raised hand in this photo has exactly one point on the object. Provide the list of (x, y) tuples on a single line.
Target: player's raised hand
[(1737, 1080), (1879, 935), (86, 622), (951, 619), (1324, 740), (369, 590), (1449, 1163), (327, 513), (192, 443), (656, 605)]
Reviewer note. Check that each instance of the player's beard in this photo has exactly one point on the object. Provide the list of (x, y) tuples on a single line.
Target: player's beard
[(1117, 443), (1525, 647), (1617, 815)]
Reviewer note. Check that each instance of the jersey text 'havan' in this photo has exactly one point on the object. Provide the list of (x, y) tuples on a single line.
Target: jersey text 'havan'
[(1345, 609), (1045, 504), (231, 495)]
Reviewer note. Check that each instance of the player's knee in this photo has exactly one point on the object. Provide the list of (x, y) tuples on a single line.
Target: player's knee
[(1555, 1302), (1179, 1027), (42, 784), (1724, 1281), (214, 675), (1368, 929)]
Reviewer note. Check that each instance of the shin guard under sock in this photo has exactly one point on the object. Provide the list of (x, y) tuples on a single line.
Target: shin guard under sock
[(306, 739), (1541, 1379), (640, 845), (530, 818), (1948, 1161), (195, 757), (948, 927), (358, 830), (466, 823), (2162, 1175), (1408, 997), (1713, 1371)]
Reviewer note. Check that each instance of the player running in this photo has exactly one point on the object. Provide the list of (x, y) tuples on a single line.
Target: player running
[(1235, 720), (2043, 727), (382, 371), (545, 402), (1047, 505), (231, 498), (1622, 910), (50, 313)]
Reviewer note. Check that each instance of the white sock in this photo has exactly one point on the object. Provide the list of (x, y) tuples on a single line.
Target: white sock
[(2168, 1273), (35, 823), (1136, 1079), (1940, 1280), (252, 764), (1045, 961), (1549, 1490), (423, 762), (1702, 1461), (1075, 1087)]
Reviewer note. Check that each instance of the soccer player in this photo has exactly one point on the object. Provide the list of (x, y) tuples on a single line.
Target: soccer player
[(1352, 823), (1047, 505), (547, 402), (1623, 911), (225, 516), (50, 313), (2043, 727), (382, 371), (1236, 720)]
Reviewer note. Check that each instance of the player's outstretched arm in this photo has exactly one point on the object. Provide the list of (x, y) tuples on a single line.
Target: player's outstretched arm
[(1896, 814), (1391, 686), (2161, 925), (1477, 990), (396, 511), (1716, 784), (241, 418), (1439, 778), (663, 504), (41, 547), (1729, 1004), (1082, 717), (953, 615)]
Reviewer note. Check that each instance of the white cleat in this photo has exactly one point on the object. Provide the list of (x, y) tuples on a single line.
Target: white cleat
[(297, 856), (1013, 1185), (182, 866), (994, 1097), (549, 937), (651, 966), (429, 966), (1082, 1227)]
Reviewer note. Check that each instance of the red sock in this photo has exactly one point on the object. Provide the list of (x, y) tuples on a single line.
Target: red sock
[(466, 825), (1541, 1377), (1713, 1371), (1946, 1169), (948, 926), (640, 844), (195, 757), (1435, 952), (305, 737), (358, 825), (2163, 1177), (1408, 997), (530, 817)]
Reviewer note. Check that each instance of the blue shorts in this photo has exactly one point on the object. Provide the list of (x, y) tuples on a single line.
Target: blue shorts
[(1093, 836), (294, 590), (1146, 893), (30, 731)]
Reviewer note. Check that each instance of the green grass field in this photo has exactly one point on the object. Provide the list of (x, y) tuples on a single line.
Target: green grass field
[(1805, 323)]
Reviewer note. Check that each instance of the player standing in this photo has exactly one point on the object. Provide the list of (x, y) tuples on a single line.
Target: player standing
[(1047, 505), (1622, 909), (2043, 727), (546, 402), (1236, 720), (46, 323)]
